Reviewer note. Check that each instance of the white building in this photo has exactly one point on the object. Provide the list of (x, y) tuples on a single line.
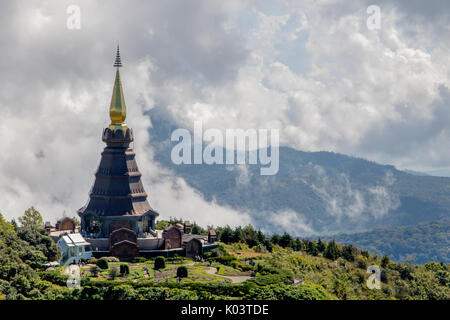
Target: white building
[(73, 248)]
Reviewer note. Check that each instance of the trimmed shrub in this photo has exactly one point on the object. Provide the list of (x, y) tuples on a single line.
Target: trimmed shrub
[(182, 272), (113, 273), (92, 260), (160, 263), (124, 269), (102, 263), (94, 270)]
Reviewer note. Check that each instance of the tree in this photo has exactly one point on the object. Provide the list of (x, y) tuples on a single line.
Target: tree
[(76, 221), (312, 248), (196, 229), (332, 251), (162, 224), (260, 237), (268, 244), (32, 231), (238, 235), (227, 235), (321, 246), (182, 272), (365, 254), (160, 263), (250, 236), (385, 261), (298, 245), (275, 239), (32, 219), (14, 224), (349, 253), (286, 240)]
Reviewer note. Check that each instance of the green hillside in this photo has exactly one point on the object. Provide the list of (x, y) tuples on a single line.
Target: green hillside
[(419, 243), (247, 265)]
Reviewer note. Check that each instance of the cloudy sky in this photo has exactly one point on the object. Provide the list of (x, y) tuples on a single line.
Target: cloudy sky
[(312, 69)]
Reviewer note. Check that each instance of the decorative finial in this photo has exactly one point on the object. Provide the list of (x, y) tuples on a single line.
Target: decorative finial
[(117, 109), (118, 62)]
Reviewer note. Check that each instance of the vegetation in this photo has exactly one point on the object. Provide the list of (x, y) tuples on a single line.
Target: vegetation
[(277, 267), (113, 273), (182, 272), (94, 270), (160, 263), (32, 232), (102, 263), (124, 269), (23, 252), (418, 244)]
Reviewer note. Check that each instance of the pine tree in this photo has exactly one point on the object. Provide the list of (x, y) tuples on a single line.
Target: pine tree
[(227, 235), (275, 239), (312, 249), (349, 253), (286, 240), (332, 251), (321, 246)]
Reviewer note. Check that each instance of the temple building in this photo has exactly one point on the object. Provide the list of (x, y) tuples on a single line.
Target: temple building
[(117, 198), (117, 219)]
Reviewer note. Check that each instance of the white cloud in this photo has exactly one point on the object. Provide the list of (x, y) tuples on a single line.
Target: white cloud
[(378, 94), (359, 203), (288, 221)]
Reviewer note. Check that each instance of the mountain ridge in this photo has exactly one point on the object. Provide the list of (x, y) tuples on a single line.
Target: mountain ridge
[(329, 192), (414, 243)]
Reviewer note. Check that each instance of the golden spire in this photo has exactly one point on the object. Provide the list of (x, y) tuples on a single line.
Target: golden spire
[(117, 109)]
